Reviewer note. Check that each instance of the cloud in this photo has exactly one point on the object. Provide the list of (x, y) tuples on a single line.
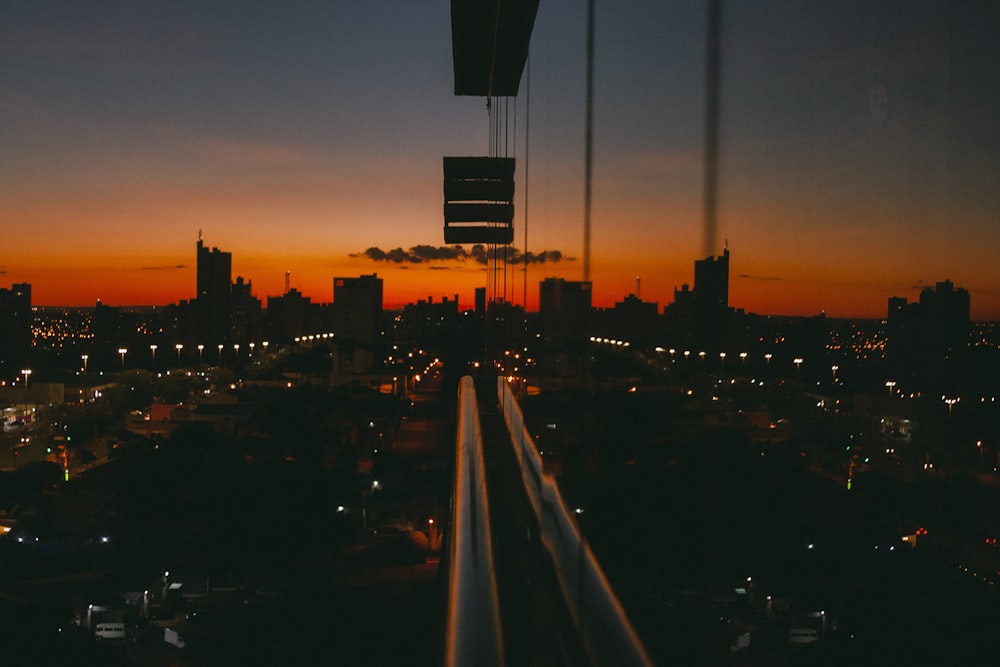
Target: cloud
[(414, 255), (480, 254), (430, 253), (749, 277), (542, 257)]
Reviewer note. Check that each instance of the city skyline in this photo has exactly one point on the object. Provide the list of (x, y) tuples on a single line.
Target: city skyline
[(479, 255), (857, 153)]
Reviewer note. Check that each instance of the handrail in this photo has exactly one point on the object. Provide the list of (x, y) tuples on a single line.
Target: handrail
[(601, 623), (473, 634)]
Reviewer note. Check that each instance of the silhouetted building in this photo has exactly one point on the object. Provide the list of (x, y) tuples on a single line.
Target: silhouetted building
[(286, 315), (711, 301), (564, 309), (931, 329), (946, 310), (179, 322), (678, 317), (213, 303), (636, 321), (247, 317), (357, 327), (15, 328), (504, 326), (481, 301), (107, 325), (109, 337), (428, 320), (357, 309)]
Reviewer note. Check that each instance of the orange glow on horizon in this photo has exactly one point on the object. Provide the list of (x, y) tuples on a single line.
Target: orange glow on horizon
[(402, 286), (769, 273)]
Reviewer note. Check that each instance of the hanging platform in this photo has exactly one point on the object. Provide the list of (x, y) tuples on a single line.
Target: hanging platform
[(489, 43), (478, 200)]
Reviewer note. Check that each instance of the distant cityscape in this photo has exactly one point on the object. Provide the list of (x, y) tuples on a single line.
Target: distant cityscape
[(225, 321), (135, 438), (248, 477)]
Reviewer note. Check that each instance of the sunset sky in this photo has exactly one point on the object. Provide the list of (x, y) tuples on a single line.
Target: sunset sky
[(859, 149)]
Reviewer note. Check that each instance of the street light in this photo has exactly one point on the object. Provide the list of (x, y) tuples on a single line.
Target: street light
[(25, 372), (220, 354), (201, 350), (743, 358), (834, 368), (767, 358), (152, 350), (85, 357), (179, 347), (798, 362), (123, 351), (890, 384), (950, 402)]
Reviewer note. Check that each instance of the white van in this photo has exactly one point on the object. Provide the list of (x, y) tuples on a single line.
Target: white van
[(110, 631), (171, 636)]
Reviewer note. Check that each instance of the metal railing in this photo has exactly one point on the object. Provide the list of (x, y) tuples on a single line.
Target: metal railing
[(473, 633), (601, 624)]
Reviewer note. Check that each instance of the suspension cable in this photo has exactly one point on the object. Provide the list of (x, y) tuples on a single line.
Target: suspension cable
[(527, 132)]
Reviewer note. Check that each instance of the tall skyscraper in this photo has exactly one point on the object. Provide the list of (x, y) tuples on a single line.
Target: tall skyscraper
[(15, 328), (711, 301), (213, 303)]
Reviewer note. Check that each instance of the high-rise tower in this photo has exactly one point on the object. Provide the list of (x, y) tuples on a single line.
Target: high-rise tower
[(15, 327), (213, 303), (711, 300)]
